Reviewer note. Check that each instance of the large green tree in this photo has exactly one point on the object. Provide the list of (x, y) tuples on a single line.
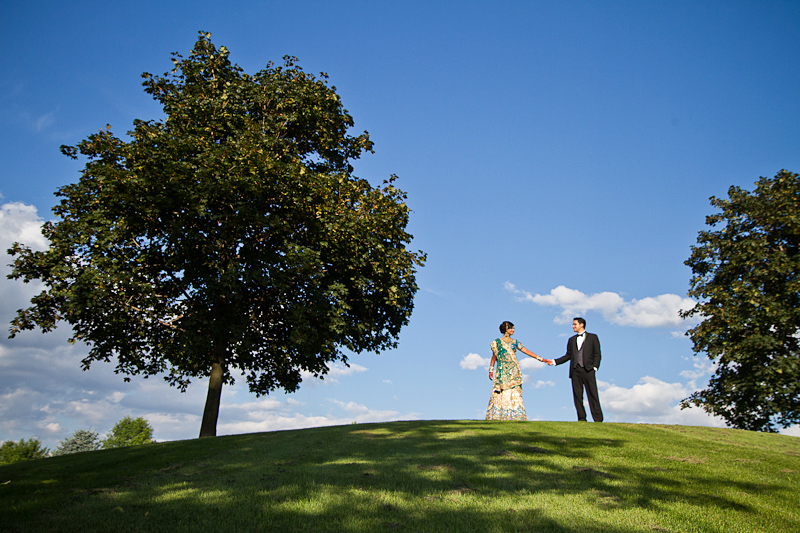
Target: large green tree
[(232, 234), (745, 276)]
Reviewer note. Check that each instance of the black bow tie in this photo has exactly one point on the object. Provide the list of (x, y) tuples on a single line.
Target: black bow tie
[(580, 334)]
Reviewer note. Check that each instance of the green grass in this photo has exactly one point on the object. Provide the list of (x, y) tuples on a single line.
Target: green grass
[(421, 476)]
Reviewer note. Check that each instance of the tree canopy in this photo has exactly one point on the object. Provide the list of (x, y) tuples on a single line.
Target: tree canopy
[(82, 440), (745, 275), (14, 452), (129, 432), (232, 234)]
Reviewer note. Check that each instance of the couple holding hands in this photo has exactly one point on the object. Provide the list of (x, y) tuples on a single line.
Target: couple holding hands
[(583, 353)]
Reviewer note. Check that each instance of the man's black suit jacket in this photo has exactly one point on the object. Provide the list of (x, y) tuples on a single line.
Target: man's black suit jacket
[(591, 352)]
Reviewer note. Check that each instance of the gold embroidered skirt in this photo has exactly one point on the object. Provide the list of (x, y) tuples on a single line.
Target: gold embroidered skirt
[(506, 405)]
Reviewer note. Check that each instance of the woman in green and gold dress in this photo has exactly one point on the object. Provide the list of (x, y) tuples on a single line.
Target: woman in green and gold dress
[(505, 402)]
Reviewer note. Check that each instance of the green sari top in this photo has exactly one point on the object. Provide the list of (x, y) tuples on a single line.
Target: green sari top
[(508, 374)]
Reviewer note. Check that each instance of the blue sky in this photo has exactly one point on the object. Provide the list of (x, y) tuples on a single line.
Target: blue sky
[(558, 158)]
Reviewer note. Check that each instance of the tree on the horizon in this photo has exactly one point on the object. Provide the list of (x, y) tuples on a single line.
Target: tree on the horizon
[(745, 276), (24, 450), (230, 235), (129, 432), (81, 440)]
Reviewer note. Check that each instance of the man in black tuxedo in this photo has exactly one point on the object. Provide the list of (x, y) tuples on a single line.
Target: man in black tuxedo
[(583, 352)]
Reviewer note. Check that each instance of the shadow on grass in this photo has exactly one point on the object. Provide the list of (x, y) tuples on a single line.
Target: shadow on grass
[(411, 476)]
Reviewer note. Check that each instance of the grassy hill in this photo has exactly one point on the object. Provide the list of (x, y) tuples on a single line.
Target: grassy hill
[(421, 476)]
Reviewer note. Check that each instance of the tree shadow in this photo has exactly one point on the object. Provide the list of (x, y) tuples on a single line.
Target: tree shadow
[(411, 476)]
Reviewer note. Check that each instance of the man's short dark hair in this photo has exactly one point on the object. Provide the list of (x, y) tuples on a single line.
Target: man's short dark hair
[(580, 321)]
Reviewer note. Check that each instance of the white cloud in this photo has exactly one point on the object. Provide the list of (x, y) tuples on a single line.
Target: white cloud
[(792, 431), (649, 312), (44, 121), (364, 414), (529, 363), (474, 361), (21, 223), (652, 401), (53, 427), (115, 397), (256, 408), (340, 369), (650, 397), (703, 367), (50, 397), (18, 223), (172, 426), (278, 416), (275, 422), (45, 394), (336, 370)]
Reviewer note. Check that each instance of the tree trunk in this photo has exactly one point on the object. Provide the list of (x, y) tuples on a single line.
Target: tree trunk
[(208, 428)]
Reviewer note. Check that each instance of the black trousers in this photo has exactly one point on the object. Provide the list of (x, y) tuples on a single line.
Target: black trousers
[(582, 378)]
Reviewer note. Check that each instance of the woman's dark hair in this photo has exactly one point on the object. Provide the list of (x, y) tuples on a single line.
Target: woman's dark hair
[(505, 327)]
